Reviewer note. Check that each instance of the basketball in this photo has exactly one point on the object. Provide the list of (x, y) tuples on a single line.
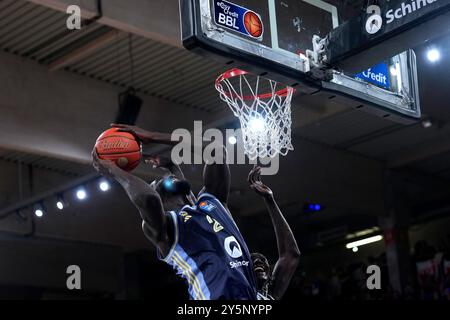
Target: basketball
[(253, 24), (120, 147)]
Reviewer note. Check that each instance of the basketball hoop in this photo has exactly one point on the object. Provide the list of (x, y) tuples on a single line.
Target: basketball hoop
[(265, 117)]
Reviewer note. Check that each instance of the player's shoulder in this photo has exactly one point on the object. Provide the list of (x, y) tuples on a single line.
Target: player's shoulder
[(208, 203), (205, 197)]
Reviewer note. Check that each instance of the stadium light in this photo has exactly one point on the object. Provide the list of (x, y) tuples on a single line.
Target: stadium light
[(426, 124), (104, 185), (81, 194), (60, 203), (256, 124), (362, 242), (312, 207), (433, 55), (39, 210)]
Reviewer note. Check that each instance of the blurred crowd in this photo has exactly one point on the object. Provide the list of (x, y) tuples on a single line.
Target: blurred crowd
[(429, 278), (432, 267)]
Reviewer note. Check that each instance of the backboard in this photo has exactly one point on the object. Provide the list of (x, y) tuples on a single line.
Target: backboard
[(273, 37)]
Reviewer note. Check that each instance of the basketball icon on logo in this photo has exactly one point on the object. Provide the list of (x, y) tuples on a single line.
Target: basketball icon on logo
[(253, 24)]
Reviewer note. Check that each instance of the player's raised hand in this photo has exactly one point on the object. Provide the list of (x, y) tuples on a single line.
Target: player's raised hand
[(255, 183), (143, 135), (147, 137)]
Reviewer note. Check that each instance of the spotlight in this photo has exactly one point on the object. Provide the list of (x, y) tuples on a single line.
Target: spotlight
[(433, 55), (355, 249), (257, 125), (232, 140), (60, 203), (81, 194), (312, 207), (104, 185), (39, 210), (427, 124)]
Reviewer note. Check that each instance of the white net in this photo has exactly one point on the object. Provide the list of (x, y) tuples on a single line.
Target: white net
[(263, 107)]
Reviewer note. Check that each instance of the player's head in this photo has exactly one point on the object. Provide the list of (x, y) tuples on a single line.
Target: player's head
[(173, 191), (261, 268)]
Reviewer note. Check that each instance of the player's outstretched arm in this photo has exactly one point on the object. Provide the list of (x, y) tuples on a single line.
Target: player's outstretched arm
[(144, 198), (147, 137), (216, 177), (288, 252)]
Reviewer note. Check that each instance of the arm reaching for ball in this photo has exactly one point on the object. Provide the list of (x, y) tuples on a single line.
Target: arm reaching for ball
[(216, 176), (146, 137), (288, 252), (146, 200)]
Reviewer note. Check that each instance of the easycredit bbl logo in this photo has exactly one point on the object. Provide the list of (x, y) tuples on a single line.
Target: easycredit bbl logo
[(375, 20), (239, 19)]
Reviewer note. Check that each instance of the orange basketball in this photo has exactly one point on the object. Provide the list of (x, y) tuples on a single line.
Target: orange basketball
[(253, 24), (120, 147)]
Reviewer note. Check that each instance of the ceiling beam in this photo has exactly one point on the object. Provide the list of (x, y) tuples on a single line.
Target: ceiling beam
[(158, 20), (86, 50), (89, 8), (420, 152)]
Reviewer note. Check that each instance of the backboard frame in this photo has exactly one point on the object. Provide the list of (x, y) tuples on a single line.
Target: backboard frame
[(200, 34)]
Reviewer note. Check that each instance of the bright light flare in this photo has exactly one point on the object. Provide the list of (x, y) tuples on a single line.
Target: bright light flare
[(433, 55), (362, 242), (81, 194)]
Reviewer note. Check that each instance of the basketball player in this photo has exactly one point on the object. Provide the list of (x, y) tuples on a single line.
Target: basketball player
[(197, 237), (273, 284), (270, 285)]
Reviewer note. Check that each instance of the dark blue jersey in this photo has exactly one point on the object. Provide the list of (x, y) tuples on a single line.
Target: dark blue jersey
[(210, 253)]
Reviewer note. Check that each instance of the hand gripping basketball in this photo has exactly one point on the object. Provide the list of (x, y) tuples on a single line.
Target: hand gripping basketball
[(120, 147)]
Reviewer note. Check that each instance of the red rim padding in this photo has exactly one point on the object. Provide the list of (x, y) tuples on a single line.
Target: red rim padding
[(235, 72)]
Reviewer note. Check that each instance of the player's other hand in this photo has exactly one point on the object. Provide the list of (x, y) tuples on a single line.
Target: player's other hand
[(104, 167), (143, 135), (255, 183), (157, 161)]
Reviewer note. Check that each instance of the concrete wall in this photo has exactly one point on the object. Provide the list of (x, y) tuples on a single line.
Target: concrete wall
[(61, 114)]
